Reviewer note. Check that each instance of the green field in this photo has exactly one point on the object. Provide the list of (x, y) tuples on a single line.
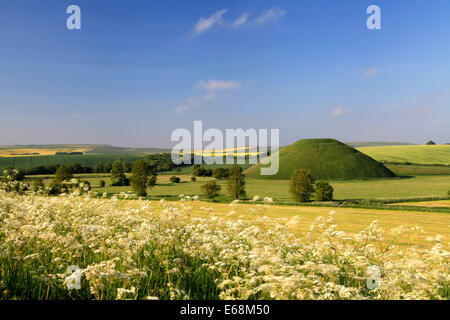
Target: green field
[(418, 169), (395, 188), (26, 163), (423, 154)]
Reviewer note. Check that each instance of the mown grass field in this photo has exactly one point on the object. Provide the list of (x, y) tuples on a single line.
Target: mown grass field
[(396, 188), (418, 154), (430, 204)]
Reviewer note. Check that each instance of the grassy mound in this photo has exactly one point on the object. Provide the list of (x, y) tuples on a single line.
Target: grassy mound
[(328, 159)]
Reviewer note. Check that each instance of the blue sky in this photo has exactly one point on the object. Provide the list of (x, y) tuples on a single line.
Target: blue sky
[(137, 70)]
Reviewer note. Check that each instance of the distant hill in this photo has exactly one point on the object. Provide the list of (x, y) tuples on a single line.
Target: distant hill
[(377, 144), (328, 159), (52, 149), (417, 154), (25, 157)]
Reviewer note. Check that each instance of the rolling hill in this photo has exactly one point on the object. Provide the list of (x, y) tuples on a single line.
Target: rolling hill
[(328, 159)]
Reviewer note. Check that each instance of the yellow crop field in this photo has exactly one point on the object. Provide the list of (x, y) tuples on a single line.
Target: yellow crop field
[(23, 152)]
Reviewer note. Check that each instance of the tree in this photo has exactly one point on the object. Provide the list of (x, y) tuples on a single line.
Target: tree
[(221, 173), (236, 182), (431, 143), (211, 189), (140, 173), (118, 177), (200, 171), (63, 173), (301, 185), (152, 179), (98, 168), (324, 191)]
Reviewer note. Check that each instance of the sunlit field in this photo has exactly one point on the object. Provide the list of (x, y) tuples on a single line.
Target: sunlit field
[(137, 249), (419, 154), (414, 187)]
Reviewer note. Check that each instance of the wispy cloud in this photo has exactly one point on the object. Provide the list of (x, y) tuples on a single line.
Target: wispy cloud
[(180, 109), (419, 111), (204, 24), (270, 15), (339, 111), (241, 20), (208, 91), (216, 85), (371, 71)]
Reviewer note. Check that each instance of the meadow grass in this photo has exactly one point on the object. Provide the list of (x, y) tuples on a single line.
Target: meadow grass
[(140, 249), (396, 188)]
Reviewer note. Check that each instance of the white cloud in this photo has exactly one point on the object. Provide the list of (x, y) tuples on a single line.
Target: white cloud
[(180, 109), (241, 20), (204, 24), (371, 71), (339, 111), (215, 85), (270, 15)]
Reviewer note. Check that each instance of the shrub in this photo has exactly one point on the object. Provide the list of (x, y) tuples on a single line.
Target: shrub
[(54, 188), (12, 174), (301, 185), (174, 179), (200, 171), (236, 182), (102, 183), (193, 179), (431, 143), (324, 191), (38, 184), (211, 189)]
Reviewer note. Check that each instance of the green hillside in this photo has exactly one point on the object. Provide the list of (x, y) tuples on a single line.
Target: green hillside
[(376, 144), (420, 154), (328, 159)]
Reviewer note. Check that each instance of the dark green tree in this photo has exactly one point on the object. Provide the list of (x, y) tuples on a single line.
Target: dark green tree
[(301, 185), (63, 173), (211, 189), (140, 173), (118, 177), (324, 191), (221, 173), (236, 182)]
